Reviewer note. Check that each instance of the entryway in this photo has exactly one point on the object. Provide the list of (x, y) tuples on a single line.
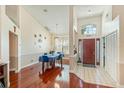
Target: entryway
[(13, 51), (89, 51), (94, 75)]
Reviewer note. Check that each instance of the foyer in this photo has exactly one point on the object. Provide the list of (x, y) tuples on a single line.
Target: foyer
[(61, 46)]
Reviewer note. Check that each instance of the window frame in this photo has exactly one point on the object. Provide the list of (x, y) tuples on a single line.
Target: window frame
[(85, 27)]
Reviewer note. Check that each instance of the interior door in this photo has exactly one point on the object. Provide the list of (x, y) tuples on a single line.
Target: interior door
[(13, 51), (89, 51)]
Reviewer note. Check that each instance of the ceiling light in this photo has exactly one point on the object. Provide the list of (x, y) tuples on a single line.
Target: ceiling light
[(47, 28), (89, 12), (45, 10), (56, 27)]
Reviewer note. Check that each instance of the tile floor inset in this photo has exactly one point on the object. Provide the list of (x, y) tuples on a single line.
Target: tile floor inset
[(94, 75)]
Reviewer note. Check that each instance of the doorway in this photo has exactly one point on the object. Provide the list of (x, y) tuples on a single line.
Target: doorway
[(13, 51), (88, 52)]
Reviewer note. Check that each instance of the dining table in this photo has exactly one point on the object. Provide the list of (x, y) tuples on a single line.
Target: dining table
[(53, 57)]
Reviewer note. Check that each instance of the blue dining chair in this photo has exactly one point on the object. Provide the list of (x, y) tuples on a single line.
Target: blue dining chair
[(59, 57), (44, 59), (58, 52), (62, 54)]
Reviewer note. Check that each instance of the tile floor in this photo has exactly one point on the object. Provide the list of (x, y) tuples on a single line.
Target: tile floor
[(93, 75)]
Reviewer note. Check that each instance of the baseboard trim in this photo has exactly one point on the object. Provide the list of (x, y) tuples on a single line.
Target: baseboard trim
[(29, 65)]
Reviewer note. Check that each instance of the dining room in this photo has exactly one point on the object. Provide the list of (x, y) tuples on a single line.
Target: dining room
[(45, 51)]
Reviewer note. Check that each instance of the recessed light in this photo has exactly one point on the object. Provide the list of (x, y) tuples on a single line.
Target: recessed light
[(45, 10), (47, 28), (89, 10)]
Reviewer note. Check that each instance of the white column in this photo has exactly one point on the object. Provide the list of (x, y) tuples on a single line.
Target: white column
[(73, 66), (71, 31)]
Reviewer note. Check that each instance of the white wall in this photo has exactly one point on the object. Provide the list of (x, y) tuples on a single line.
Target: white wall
[(6, 26), (106, 20), (111, 48), (117, 10), (106, 28), (30, 45), (12, 11)]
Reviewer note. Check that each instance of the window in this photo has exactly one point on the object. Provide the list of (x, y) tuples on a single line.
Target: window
[(88, 30), (62, 44)]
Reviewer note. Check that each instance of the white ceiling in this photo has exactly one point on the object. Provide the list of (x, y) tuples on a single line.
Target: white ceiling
[(54, 15), (58, 14), (82, 10)]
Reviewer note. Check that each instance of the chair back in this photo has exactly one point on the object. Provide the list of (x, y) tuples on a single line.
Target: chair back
[(45, 53), (59, 57), (58, 52), (45, 58)]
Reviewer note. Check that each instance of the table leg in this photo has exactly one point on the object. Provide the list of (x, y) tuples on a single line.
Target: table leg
[(42, 67), (54, 63), (61, 63)]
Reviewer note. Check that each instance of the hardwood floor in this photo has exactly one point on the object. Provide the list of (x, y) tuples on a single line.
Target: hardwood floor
[(31, 78), (52, 78)]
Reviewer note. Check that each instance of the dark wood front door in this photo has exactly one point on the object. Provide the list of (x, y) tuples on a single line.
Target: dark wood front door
[(89, 51)]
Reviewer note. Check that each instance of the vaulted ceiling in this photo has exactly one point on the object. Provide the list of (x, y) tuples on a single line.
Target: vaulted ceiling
[(55, 17), (90, 10)]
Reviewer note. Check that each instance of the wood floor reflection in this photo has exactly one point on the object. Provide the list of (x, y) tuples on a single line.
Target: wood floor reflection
[(52, 78), (31, 78)]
